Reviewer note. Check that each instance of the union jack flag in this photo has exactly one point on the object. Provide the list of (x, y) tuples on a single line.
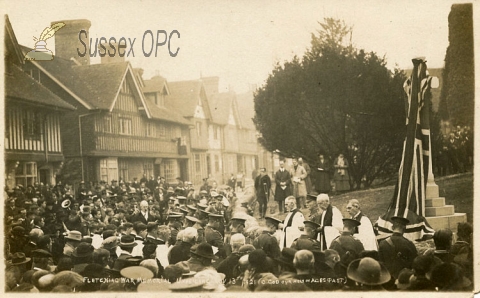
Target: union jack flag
[(410, 192)]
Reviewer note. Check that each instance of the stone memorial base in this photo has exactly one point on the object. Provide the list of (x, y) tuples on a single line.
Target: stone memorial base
[(439, 215)]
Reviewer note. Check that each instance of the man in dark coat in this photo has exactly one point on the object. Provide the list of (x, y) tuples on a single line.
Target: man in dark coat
[(282, 185), (396, 251), (181, 251), (322, 174), (213, 236), (142, 215), (307, 239), (262, 188), (346, 245), (228, 265), (267, 241)]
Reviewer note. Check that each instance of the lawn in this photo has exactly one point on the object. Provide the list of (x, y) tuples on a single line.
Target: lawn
[(457, 190)]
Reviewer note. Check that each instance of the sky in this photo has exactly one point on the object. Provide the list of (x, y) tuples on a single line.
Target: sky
[(241, 41)]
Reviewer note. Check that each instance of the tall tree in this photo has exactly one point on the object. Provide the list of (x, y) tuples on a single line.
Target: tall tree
[(335, 99), (458, 92)]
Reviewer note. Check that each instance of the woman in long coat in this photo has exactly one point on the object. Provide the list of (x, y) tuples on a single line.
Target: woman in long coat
[(299, 174), (322, 175), (341, 177)]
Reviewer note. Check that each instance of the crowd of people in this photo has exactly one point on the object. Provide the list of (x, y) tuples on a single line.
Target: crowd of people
[(148, 236), (456, 154)]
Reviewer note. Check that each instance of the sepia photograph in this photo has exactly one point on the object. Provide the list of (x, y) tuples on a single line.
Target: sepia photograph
[(239, 147)]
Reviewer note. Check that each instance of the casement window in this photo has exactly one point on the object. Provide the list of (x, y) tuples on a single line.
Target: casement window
[(26, 173), (125, 125)]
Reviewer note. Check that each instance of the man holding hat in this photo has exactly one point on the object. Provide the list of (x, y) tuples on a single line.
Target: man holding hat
[(213, 236), (267, 241), (307, 239), (396, 251)]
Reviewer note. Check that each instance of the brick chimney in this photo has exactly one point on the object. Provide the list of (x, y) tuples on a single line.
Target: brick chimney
[(116, 58), (67, 40)]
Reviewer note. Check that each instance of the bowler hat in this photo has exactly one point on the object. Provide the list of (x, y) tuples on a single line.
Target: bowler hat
[(41, 253), (74, 235), (257, 258), (128, 241), (368, 271), (170, 190), (18, 231), (203, 250), (83, 249), (287, 256), (19, 258)]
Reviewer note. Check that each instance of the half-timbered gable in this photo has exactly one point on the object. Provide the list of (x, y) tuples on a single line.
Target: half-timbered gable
[(190, 98), (33, 144)]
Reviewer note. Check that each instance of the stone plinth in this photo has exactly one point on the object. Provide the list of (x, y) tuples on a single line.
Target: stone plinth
[(439, 215)]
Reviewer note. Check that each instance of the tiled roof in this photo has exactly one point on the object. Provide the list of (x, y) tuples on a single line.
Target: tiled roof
[(165, 114), (220, 104), (246, 110), (211, 84), (184, 96), (96, 84), (155, 84), (19, 85)]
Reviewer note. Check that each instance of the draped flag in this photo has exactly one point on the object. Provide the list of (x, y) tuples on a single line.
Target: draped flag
[(409, 196)]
